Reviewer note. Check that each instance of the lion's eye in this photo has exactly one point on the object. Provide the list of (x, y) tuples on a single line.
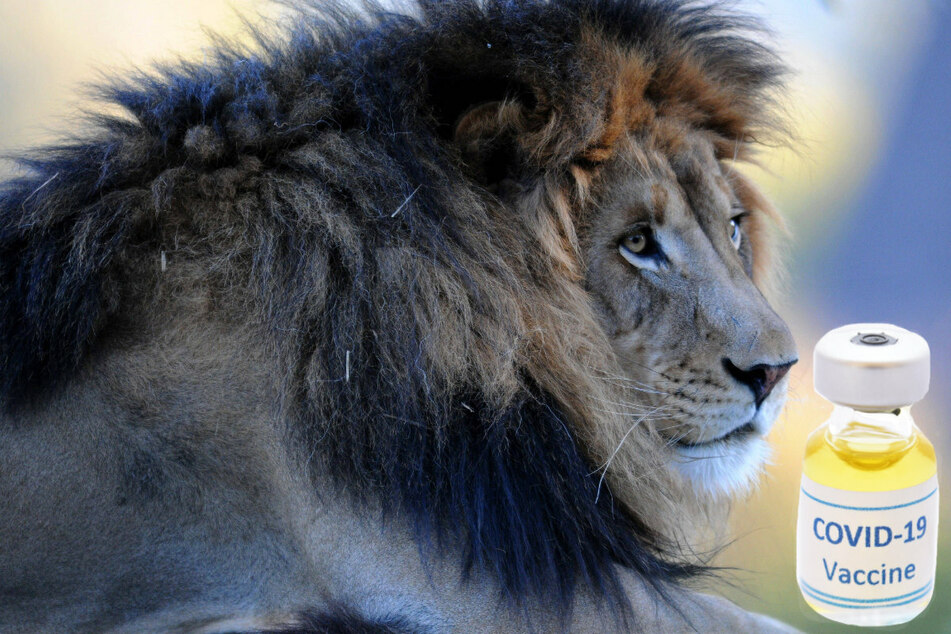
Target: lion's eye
[(640, 248), (636, 242), (736, 235)]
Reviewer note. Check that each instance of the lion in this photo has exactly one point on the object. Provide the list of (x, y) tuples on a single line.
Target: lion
[(439, 319)]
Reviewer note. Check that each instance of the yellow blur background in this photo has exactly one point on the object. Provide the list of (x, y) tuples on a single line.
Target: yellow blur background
[(864, 189)]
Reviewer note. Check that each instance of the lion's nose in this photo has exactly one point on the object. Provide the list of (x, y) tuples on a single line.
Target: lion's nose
[(761, 378)]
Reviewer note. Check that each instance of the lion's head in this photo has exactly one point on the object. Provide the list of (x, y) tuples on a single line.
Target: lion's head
[(670, 253), (492, 260), (645, 209)]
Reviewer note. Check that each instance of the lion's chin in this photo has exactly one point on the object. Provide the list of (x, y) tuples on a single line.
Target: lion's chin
[(726, 468), (732, 464)]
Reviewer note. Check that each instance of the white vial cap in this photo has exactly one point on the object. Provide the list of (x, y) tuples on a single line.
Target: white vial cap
[(873, 366)]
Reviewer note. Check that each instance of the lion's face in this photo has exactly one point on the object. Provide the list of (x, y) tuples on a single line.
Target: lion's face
[(669, 247)]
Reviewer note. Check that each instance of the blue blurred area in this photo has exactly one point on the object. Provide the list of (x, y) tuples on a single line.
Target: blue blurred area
[(890, 259)]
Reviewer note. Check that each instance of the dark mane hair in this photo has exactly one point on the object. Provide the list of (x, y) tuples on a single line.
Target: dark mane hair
[(320, 172)]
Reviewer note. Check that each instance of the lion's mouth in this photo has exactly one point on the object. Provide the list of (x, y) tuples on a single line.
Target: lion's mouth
[(743, 431)]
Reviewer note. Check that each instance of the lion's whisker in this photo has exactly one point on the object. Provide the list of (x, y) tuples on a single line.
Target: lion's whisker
[(607, 464), (404, 203), (626, 413), (632, 384), (630, 404)]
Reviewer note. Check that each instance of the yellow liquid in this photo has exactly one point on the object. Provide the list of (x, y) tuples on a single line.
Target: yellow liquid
[(863, 457), (866, 458)]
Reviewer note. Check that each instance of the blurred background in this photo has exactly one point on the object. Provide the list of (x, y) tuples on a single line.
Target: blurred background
[(866, 190)]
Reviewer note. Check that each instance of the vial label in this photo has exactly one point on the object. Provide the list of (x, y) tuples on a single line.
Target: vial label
[(867, 557)]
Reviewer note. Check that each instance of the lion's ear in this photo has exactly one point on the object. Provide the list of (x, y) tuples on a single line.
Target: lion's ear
[(481, 105), (487, 137)]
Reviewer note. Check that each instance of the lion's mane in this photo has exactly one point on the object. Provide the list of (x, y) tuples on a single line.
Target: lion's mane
[(440, 354)]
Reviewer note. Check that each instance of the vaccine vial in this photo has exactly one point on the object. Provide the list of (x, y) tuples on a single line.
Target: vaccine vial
[(868, 504)]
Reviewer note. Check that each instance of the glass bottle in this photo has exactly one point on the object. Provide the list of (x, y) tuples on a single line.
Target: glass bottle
[(868, 506)]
